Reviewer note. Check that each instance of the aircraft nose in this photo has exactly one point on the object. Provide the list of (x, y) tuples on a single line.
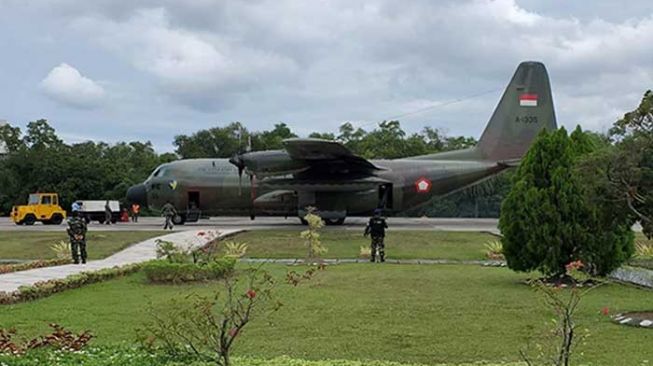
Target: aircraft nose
[(137, 194)]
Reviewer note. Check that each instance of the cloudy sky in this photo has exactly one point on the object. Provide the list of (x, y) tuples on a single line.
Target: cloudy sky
[(148, 70)]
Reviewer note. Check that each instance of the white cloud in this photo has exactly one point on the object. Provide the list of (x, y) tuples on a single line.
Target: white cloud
[(66, 85), (317, 64), (197, 67)]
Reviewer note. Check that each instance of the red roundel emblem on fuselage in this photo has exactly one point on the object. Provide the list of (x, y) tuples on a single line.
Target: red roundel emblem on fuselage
[(423, 185)]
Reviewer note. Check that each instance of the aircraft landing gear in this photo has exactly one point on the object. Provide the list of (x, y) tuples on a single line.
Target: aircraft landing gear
[(338, 221), (179, 219)]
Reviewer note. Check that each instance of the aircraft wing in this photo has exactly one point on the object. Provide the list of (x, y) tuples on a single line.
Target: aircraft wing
[(305, 158), (327, 154)]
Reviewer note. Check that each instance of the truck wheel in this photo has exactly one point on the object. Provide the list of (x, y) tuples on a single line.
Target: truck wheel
[(101, 221), (56, 219), (303, 221), (29, 220)]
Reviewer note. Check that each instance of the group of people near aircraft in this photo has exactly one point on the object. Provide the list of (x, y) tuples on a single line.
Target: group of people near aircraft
[(77, 229)]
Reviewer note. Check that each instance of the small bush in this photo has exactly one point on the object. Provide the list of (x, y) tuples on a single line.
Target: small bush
[(169, 251), (643, 250), (47, 288), (163, 271), (235, 249), (59, 339), (494, 250), (8, 268), (365, 252), (61, 249)]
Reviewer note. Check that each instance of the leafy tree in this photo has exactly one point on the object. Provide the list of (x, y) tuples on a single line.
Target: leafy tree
[(216, 142), (272, 140), (544, 218), (323, 136), (11, 136), (629, 175), (40, 161)]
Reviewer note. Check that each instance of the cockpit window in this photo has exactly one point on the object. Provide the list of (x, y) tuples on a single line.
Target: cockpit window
[(160, 171)]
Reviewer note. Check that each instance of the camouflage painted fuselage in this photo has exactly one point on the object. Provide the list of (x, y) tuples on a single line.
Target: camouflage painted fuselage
[(215, 187)]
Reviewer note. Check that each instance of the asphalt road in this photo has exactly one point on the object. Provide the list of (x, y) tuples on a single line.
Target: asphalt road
[(352, 223)]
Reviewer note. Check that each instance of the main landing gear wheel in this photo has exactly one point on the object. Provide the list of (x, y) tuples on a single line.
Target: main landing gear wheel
[(339, 221), (179, 219)]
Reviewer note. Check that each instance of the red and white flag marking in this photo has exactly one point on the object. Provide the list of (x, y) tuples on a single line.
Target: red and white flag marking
[(528, 100)]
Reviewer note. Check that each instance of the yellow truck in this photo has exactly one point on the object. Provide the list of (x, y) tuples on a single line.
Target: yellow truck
[(42, 207)]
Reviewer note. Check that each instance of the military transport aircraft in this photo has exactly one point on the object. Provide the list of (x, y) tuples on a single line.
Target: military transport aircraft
[(326, 175)]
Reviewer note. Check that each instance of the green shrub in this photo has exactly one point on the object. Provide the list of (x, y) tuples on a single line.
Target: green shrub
[(235, 249), (163, 271), (494, 250), (7, 268), (643, 249), (47, 288)]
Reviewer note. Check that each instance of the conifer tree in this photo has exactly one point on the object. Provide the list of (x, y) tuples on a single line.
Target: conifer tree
[(552, 217)]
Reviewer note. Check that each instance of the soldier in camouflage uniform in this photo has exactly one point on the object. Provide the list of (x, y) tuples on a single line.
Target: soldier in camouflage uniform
[(168, 211), (77, 232), (376, 226)]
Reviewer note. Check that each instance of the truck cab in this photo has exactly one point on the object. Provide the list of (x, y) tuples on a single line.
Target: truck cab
[(43, 207)]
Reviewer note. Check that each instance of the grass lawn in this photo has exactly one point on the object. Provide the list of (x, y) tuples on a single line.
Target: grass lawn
[(409, 313), (346, 244), (36, 245)]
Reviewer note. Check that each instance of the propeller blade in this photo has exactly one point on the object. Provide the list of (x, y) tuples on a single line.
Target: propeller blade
[(240, 164), (252, 184)]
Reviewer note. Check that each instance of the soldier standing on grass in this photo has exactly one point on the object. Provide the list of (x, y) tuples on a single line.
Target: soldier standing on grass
[(107, 213), (77, 232), (376, 226), (168, 211)]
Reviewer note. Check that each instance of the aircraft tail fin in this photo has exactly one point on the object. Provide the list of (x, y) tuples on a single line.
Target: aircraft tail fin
[(526, 107)]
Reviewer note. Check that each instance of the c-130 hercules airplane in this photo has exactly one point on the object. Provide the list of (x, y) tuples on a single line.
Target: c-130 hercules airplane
[(326, 175)]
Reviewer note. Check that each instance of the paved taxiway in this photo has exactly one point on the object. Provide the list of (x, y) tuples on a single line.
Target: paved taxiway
[(352, 223)]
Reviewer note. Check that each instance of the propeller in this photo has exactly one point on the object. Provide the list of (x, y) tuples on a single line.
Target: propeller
[(238, 161)]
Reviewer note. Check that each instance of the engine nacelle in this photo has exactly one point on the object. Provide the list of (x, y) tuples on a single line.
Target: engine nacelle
[(275, 162)]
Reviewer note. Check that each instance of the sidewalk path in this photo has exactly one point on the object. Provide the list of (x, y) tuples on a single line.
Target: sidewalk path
[(137, 253)]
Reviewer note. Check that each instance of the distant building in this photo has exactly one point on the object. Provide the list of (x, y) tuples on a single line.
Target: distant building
[(3, 146)]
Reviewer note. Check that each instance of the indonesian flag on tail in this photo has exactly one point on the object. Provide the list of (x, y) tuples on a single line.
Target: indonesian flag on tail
[(528, 100)]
